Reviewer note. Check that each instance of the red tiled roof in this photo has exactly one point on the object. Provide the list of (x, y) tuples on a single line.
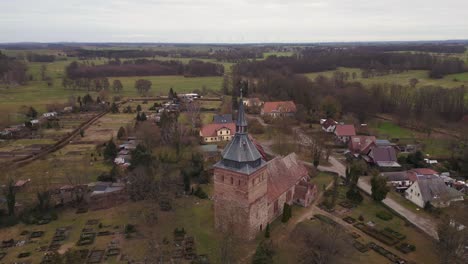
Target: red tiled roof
[(209, 130), (283, 174), (359, 144), (329, 122), (259, 147), (345, 130), (282, 107)]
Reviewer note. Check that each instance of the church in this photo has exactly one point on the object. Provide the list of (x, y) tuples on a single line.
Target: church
[(250, 192)]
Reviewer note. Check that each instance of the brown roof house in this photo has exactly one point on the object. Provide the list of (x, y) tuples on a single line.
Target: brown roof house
[(344, 132), (383, 157), (432, 189), (328, 125), (252, 102), (217, 132), (361, 144), (279, 109), (250, 192)]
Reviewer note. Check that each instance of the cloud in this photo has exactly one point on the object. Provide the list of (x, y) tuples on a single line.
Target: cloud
[(232, 21)]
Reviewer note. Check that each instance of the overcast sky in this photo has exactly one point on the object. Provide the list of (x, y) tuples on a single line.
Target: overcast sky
[(238, 21)]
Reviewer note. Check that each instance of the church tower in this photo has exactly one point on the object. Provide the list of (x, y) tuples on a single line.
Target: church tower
[(240, 185)]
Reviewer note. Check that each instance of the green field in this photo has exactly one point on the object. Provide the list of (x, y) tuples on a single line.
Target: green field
[(401, 78), (389, 130)]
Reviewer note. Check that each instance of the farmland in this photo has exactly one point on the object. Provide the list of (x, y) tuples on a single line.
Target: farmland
[(449, 81)]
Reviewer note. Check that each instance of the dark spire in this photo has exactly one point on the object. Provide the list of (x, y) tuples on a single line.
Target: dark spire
[(241, 124)]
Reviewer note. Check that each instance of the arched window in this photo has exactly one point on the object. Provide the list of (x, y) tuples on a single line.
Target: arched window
[(232, 180)]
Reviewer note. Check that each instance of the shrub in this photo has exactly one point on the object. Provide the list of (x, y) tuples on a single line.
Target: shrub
[(354, 195), (130, 229), (200, 193), (7, 221), (384, 215)]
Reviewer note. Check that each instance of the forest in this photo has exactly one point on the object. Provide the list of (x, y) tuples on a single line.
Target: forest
[(143, 67), (319, 59), (12, 71)]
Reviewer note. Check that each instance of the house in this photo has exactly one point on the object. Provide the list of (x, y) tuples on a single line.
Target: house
[(432, 189), (361, 144), (222, 119), (106, 194), (401, 180), (279, 109), (382, 157), (122, 160), (328, 125), (49, 114), (252, 102), (217, 132), (344, 132)]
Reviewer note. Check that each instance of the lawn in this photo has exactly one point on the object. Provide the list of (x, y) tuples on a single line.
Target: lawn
[(322, 179), (387, 129), (291, 249), (400, 78), (425, 252)]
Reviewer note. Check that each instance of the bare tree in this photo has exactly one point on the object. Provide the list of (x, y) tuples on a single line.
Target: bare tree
[(453, 242), (149, 134), (193, 110), (326, 244)]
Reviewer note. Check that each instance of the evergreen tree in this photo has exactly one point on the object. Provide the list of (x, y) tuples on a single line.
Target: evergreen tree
[(379, 188), (114, 108), (267, 231), (9, 191), (110, 152), (186, 178), (286, 213), (171, 94), (138, 108), (140, 156), (263, 253), (32, 113), (143, 116), (121, 133)]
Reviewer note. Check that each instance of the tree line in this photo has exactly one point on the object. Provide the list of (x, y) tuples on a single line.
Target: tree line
[(335, 95), (135, 53), (12, 71), (319, 59), (35, 57), (143, 67)]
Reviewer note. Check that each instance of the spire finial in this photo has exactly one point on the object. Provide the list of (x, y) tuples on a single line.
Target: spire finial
[(241, 92)]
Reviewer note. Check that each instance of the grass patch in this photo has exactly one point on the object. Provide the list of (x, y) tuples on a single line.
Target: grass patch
[(400, 78), (322, 179), (388, 129)]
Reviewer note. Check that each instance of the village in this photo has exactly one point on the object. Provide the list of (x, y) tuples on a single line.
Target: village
[(254, 170)]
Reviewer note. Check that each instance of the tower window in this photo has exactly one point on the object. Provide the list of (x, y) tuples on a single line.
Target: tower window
[(232, 180)]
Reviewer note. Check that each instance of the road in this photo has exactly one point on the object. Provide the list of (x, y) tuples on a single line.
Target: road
[(424, 223)]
